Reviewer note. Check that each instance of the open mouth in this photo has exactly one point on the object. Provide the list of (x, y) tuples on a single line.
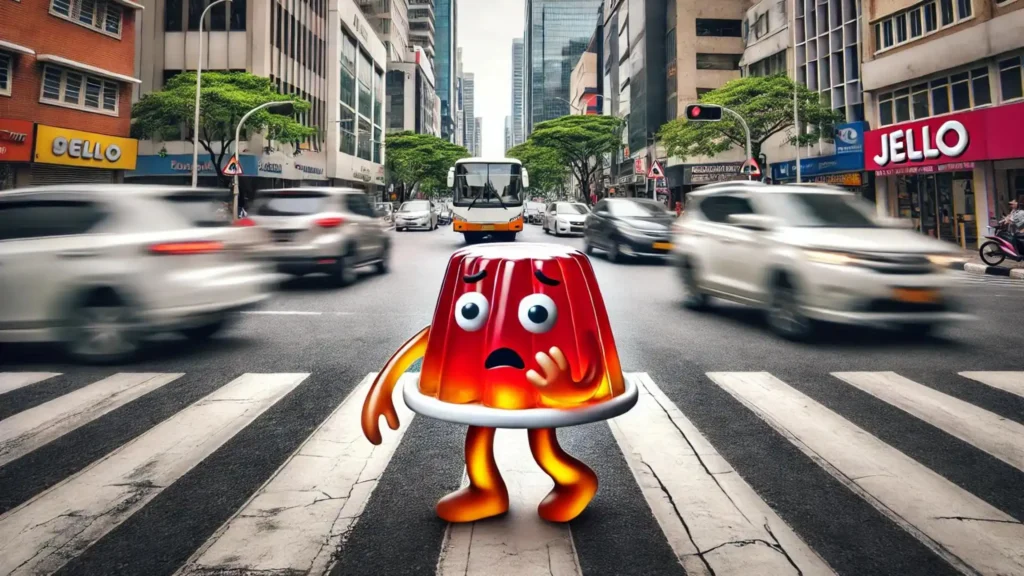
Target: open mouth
[(504, 357)]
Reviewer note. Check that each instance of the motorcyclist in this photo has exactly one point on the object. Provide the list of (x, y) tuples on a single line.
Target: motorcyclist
[(1015, 226)]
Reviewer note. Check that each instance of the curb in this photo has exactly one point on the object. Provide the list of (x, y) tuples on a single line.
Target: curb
[(1016, 273)]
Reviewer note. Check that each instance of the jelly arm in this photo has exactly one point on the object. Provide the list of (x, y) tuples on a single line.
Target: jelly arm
[(378, 401), (557, 387)]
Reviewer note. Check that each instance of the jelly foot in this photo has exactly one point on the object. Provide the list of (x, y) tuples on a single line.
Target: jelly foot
[(486, 494), (575, 484)]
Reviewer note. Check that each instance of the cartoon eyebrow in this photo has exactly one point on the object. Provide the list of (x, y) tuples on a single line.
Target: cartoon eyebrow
[(471, 278), (549, 281)]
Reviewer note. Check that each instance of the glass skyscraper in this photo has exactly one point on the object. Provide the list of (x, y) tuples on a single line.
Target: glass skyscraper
[(557, 32), (445, 16)]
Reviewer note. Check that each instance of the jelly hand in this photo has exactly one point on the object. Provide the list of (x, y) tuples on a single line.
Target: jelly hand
[(378, 402), (557, 383)]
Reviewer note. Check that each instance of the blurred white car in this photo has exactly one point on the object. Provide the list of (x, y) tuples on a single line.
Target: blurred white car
[(101, 266), (812, 253), (416, 214)]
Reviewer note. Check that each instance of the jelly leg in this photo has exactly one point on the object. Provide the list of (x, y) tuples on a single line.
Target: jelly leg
[(575, 484), (486, 494)]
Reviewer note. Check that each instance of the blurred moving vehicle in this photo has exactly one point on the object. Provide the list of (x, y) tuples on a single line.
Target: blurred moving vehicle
[(100, 267), (416, 214), (565, 218), (444, 217), (330, 230), (627, 227), (999, 246), (386, 210), (487, 198), (534, 212), (812, 253)]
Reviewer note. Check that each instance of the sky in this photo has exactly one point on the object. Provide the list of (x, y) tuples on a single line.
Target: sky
[(485, 32)]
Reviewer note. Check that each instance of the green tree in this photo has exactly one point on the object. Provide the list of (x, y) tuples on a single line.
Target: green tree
[(547, 169), (766, 104), (422, 160), (580, 141), (225, 98)]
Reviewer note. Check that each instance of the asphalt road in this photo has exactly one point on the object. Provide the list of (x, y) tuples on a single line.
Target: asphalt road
[(334, 337)]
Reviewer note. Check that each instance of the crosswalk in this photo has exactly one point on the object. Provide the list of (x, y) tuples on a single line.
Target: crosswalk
[(669, 501), (968, 278)]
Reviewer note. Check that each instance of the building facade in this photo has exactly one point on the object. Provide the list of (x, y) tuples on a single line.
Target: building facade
[(584, 93), (518, 91), (66, 81), (421, 26), (556, 33), (460, 112), (944, 94), (478, 133), (390, 20), (468, 111), (446, 24), (411, 97), (332, 58), (508, 133)]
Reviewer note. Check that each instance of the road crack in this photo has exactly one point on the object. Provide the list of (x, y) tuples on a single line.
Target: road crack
[(969, 519), (664, 490)]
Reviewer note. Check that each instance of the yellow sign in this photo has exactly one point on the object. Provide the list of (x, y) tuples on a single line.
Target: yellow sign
[(851, 179), (86, 149)]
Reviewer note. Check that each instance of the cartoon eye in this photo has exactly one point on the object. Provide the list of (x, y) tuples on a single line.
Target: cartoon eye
[(471, 311), (537, 313)]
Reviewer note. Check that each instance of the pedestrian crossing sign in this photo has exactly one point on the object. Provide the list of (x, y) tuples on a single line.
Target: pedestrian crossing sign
[(233, 168), (656, 173)]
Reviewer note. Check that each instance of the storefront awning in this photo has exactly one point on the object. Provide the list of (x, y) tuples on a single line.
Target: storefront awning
[(12, 47), (87, 68)]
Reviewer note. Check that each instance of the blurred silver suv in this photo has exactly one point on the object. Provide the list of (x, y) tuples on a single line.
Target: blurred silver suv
[(330, 230), (101, 266)]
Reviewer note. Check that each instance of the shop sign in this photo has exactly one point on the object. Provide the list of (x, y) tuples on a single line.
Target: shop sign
[(86, 149), (927, 145), (181, 165), (849, 138), (15, 141), (311, 170), (852, 179), (950, 167), (697, 174), (818, 166), (270, 168)]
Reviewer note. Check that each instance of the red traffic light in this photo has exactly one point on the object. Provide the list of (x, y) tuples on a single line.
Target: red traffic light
[(695, 112), (704, 112)]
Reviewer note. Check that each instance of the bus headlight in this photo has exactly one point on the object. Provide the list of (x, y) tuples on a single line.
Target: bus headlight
[(458, 218)]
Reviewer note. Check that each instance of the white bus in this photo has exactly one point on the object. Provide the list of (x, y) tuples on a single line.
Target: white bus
[(488, 197)]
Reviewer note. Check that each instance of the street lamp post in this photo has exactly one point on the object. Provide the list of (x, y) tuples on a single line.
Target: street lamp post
[(199, 74), (288, 108), (745, 129)]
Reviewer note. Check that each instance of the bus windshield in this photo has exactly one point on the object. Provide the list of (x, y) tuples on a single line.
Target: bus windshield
[(488, 185)]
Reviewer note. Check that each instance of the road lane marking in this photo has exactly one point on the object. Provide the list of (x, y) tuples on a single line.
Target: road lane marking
[(520, 542), (14, 380), (281, 313), (711, 517), (1012, 382), (971, 535), (35, 427), (1000, 437), (46, 532), (311, 501)]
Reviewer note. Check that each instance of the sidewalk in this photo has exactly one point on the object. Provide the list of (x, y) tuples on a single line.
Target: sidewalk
[(974, 265)]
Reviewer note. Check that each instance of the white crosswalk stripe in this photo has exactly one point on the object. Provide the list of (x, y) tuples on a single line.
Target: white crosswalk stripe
[(989, 280), (713, 521)]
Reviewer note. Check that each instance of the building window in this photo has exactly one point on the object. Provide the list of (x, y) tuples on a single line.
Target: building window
[(364, 141), (1010, 79), (761, 26), (769, 66), (722, 28), (172, 16), (364, 79), (100, 15), (931, 20), (6, 72), (961, 91), (946, 6), (916, 28), (69, 88), (718, 61), (940, 96), (238, 8), (980, 86), (378, 96), (919, 21)]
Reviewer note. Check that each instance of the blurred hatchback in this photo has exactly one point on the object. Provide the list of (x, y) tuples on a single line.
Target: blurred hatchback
[(99, 267), (329, 230)]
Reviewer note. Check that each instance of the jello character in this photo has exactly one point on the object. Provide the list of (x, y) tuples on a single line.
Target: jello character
[(520, 339)]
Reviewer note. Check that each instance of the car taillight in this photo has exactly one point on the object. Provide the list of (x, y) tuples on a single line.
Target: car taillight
[(244, 223), (184, 248), (331, 222)]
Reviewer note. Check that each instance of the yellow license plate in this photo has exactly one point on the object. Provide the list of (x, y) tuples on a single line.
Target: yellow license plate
[(662, 245), (487, 227), (916, 295)]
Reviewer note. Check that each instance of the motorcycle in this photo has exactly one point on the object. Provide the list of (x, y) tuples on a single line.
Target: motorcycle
[(999, 247)]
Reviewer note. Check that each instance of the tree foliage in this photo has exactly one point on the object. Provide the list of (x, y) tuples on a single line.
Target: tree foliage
[(766, 104), (422, 160), (547, 169), (580, 141), (225, 97)]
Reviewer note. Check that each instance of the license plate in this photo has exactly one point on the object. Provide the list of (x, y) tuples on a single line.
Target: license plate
[(916, 295), (487, 227), (662, 245)]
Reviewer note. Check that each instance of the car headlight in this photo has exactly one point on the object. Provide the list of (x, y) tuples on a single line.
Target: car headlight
[(826, 257), (944, 260)]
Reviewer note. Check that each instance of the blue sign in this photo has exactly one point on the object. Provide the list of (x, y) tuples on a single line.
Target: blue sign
[(181, 165), (849, 156)]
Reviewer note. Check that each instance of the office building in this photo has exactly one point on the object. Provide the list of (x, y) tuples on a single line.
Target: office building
[(331, 58), (390, 20), (469, 108), (944, 96), (66, 77), (556, 34), (460, 113), (478, 130), (411, 98), (421, 25), (508, 133), (445, 22), (518, 91)]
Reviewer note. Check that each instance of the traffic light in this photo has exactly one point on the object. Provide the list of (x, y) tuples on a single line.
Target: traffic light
[(703, 112)]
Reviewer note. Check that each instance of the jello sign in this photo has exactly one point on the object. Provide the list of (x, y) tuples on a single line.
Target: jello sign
[(900, 146)]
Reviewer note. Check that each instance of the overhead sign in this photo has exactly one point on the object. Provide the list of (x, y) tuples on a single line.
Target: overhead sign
[(656, 173), (15, 141), (233, 168), (85, 149)]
